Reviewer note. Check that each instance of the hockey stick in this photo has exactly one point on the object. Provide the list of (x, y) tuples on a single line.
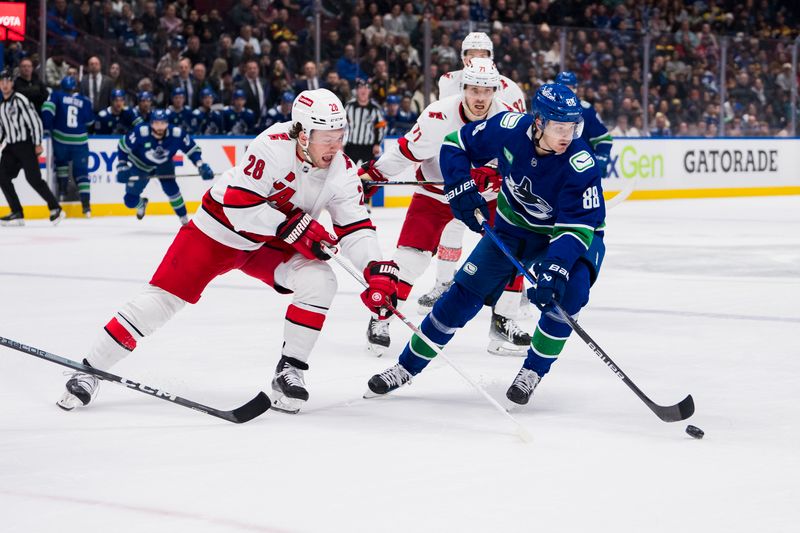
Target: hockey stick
[(671, 413), (621, 196), (245, 413), (171, 176), (521, 431), (408, 182)]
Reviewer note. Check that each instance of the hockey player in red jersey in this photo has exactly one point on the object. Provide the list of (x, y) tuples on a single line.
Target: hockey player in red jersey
[(260, 218), (429, 211)]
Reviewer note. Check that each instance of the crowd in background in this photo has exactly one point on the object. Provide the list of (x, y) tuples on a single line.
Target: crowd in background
[(266, 49)]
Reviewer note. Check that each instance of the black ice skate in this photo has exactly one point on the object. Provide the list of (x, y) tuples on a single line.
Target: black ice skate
[(289, 384), (57, 215), (387, 381), (378, 336), (141, 208), (81, 388), (13, 219), (427, 300), (86, 208), (521, 390), (506, 337)]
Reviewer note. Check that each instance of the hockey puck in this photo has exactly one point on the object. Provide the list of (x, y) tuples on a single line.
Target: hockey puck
[(694, 432)]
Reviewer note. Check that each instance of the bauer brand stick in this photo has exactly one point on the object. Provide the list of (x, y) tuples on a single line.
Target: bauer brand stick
[(521, 431), (245, 413), (671, 413)]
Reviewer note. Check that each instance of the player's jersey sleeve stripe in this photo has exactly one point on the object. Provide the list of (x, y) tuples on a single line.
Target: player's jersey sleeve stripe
[(347, 229), (402, 142), (600, 139), (584, 234), (241, 198), (454, 139)]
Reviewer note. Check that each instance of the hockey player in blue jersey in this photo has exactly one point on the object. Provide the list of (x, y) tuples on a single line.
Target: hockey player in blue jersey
[(550, 213), (140, 114), (147, 151), (68, 115), (205, 121), (109, 120), (282, 112), (595, 132), (236, 118), (178, 113)]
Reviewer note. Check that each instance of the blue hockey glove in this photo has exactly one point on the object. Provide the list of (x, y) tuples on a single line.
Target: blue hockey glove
[(551, 283), (124, 171), (602, 162), (205, 172), (464, 199)]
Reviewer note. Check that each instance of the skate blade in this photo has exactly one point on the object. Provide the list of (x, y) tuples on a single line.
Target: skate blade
[(368, 395), (69, 401), (12, 223), (376, 349), (288, 405), (61, 216), (506, 349)]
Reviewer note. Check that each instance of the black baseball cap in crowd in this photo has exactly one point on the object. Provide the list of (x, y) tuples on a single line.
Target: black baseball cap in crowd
[(361, 82), (6, 74)]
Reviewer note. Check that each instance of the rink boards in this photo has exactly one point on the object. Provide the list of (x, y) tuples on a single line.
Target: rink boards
[(645, 168)]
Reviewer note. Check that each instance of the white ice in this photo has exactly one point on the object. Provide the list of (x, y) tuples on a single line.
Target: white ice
[(695, 296)]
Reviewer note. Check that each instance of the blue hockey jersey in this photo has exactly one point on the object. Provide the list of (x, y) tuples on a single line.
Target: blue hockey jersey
[(68, 116), (107, 123), (180, 117), (133, 117), (146, 152), (595, 132), (274, 116), (556, 195), (238, 122), (205, 122)]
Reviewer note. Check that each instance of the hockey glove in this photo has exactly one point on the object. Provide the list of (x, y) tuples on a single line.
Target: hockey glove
[(486, 179), (368, 172), (382, 279), (305, 234), (602, 162), (551, 283), (124, 171), (464, 199), (205, 171)]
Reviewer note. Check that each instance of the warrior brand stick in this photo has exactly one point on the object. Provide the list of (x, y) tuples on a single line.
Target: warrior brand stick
[(521, 432), (671, 413), (245, 413)]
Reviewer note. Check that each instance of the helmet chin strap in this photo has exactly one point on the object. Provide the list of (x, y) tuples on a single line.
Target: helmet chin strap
[(306, 154), (536, 140)]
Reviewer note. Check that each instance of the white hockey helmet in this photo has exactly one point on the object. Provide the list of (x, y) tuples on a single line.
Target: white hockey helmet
[(477, 41), (319, 109), (481, 72)]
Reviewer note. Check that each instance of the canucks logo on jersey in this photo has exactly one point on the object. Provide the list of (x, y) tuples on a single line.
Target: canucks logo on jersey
[(534, 205), (158, 154)]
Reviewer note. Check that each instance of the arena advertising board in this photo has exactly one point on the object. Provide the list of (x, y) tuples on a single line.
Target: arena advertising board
[(652, 168), (12, 21)]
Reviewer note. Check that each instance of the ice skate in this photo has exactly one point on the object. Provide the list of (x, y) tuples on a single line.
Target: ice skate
[(521, 389), (86, 208), (427, 300), (378, 336), (506, 337), (141, 208), (57, 215), (387, 381), (290, 386), (81, 388), (13, 219)]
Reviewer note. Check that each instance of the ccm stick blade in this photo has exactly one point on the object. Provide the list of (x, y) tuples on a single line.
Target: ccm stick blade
[(245, 413)]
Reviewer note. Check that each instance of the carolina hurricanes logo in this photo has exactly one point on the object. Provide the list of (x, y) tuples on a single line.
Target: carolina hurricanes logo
[(376, 297), (533, 203)]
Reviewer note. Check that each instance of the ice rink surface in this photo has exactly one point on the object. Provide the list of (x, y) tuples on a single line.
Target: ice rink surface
[(695, 296)]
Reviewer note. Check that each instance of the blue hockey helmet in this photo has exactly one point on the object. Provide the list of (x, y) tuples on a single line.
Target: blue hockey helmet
[(144, 95), (567, 78), (287, 97), (117, 93), (158, 115), (393, 99), (239, 93), (69, 84), (178, 91), (207, 92), (558, 103)]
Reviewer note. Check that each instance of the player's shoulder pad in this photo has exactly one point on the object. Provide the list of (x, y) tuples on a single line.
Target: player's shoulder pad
[(177, 131), (103, 113), (585, 104), (144, 130)]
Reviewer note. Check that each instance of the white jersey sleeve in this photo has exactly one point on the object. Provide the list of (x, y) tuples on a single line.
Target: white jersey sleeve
[(351, 222), (450, 84), (511, 94)]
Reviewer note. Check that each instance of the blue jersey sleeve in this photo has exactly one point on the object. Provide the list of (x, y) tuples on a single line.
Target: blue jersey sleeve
[(49, 112), (188, 146), (88, 116), (126, 146), (595, 132)]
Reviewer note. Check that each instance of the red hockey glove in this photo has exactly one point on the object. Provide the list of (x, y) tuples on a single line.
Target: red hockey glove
[(305, 234), (487, 179), (382, 279), (368, 172)]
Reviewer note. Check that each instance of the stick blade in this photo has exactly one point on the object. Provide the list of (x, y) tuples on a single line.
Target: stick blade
[(255, 407), (675, 413)]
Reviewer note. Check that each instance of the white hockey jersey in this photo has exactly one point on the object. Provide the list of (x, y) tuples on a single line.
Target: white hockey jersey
[(450, 84), (244, 207), (422, 144)]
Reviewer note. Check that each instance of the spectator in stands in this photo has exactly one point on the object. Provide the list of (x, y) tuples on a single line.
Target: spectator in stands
[(409, 19), (200, 79), (149, 18), (173, 55), (95, 86), (309, 81), (255, 89), (246, 38), (137, 42), (184, 79), (241, 15), (194, 51), (623, 129), (162, 87), (332, 47), (170, 23), (28, 84), (60, 22), (55, 69), (662, 127), (393, 21), (289, 62), (347, 67), (279, 30)]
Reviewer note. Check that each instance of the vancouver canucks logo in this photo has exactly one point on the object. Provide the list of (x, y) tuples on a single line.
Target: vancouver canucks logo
[(157, 155), (523, 192)]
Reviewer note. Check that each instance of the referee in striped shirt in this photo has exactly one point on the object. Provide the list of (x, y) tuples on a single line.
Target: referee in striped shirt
[(21, 130), (367, 125)]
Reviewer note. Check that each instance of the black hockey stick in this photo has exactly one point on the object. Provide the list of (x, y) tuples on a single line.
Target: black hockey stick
[(245, 413), (671, 413), (408, 182)]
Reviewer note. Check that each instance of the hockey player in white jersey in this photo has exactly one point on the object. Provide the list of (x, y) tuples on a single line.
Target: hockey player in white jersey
[(509, 339), (429, 211), (260, 218)]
